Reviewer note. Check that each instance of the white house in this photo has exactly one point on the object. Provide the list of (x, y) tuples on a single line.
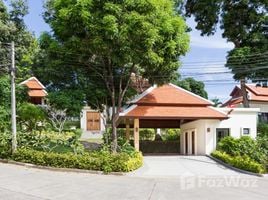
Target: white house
[(201, 125)]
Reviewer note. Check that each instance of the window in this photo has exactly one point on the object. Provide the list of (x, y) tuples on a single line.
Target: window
[(221, 133), (263, 117), (246, 131)]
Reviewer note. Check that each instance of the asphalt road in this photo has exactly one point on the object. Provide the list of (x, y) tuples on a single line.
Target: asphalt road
[(21, 183)]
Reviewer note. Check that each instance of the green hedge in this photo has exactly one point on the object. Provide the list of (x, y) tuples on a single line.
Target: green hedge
[(242, 162), (102, 161)]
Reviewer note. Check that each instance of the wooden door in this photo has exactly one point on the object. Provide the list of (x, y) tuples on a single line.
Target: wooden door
[(93, 121)]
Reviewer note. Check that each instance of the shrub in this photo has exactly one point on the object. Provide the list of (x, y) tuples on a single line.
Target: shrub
[(228, 145), (171, 135), (51, 141), (263, 129), (242, 162), (5, 144), (29, 115), (103, 160), (244, 146)]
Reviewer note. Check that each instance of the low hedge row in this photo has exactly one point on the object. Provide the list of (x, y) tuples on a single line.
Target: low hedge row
[(101, 161), (242, 162)]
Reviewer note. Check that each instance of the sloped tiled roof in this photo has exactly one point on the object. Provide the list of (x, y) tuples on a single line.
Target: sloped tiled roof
[(256, 93), (175, 112), (172, 95), (171, 102), (37, 93), (35, 87), (257, 90)]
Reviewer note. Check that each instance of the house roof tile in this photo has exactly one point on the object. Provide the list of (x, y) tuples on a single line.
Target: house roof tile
[(171, 95)]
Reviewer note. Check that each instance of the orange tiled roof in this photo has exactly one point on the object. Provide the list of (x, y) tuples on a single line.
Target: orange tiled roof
[(176, 112), (171, 102), (33, 84), (257, 93), (260, 91), (37, 93), (172, 95), (232, 102), (258, 98)]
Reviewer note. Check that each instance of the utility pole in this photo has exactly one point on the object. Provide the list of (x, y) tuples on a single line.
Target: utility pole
[(13, 99), (244, 92)]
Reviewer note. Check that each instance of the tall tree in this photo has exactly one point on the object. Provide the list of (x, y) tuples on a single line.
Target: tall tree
[(13, 28), (245, 23), (192, 85), (113, 39)]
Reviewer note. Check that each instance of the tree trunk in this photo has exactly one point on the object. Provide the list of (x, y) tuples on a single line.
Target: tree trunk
[(114, 134), (244, 93), (114, 131)]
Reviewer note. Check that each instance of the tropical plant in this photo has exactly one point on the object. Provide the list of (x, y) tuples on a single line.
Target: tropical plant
[(30, 116), (110, 40)]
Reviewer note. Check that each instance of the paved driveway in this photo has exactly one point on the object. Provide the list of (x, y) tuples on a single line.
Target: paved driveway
[(174, 166), (21, 183)]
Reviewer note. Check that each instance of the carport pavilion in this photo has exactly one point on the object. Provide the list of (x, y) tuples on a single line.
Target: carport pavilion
[(170, 106)]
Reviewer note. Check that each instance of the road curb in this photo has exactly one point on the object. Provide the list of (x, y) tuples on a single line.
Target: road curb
[(234, 168), (29, 165)]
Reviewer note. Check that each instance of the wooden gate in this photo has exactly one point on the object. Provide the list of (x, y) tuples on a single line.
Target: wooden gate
[(93, 121)]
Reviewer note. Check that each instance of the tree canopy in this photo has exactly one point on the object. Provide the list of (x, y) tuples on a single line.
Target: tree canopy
[(192, 85), (245, 24), (13, 28), (109, 40)]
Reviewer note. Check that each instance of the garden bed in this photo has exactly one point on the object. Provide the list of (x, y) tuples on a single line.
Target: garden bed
[(243, 153), (99, 161)]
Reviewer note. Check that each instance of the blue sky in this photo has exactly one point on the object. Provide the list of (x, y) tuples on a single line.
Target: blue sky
[(206, 55)]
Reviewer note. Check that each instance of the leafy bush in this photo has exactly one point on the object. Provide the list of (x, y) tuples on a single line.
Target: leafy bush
[(263, 130), (244, 146), (5, 144), (171, 135), (30, 115), (125, 147), (51, 141), (242, 162), (103, 160), (228, 145)]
